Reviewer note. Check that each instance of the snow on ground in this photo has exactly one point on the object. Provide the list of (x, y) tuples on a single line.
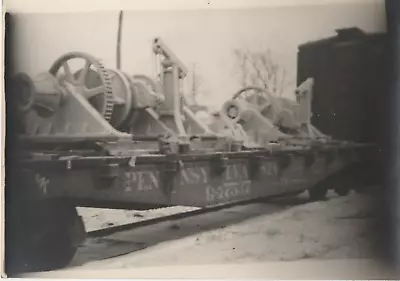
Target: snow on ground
[(335, 229), (96, 218)]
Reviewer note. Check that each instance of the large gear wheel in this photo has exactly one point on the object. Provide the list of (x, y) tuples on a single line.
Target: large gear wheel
[(260, 99), (92, 81)]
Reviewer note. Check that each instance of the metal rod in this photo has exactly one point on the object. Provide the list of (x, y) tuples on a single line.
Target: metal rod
[(120, 19)]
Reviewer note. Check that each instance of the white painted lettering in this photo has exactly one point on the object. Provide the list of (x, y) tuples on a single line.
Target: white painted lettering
[(204, 175), (245, 172), (196, 176), (141, 180), (236, 172), (228, 173), (193, 176), (228, 191), (141, 185), (130, 178), (269, 169), (185, 180), (42, 183), (154, 181)]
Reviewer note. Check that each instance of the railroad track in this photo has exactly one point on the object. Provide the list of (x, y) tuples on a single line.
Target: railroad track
[(174, 217), (101, 244)]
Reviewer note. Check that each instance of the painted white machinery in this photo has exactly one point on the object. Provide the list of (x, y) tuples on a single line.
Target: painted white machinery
[(114, 105), (99, 137), (260, 119), (119, 107)]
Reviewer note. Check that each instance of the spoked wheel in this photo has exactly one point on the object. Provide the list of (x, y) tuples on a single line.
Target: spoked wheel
[(319, 191), (46, 236), (347, 181), (91, 80), (260, 99), (342, 190)]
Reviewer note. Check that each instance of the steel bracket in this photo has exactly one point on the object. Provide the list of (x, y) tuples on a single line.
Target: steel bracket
[(172, 164), (218, 164), (331, 157), (106, 175), (164, 146), (184, 148), (255, 166), (171, 167), (310, 159), (236, 146), (284, 161)]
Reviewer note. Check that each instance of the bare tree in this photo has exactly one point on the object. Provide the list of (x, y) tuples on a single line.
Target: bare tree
[(241, 58), (195, 90), (195, 85), (260, 69)]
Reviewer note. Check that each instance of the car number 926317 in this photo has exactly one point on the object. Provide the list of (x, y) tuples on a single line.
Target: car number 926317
[(228, 191)]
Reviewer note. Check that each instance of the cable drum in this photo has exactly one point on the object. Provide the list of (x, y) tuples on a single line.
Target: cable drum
[(153, 85), (143, 98), (234, 111), (122, 97)]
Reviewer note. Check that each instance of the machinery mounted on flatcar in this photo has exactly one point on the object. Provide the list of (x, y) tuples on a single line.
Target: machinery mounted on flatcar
[(101, 137)]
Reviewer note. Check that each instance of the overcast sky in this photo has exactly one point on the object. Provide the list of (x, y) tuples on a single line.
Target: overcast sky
[(205, 37)]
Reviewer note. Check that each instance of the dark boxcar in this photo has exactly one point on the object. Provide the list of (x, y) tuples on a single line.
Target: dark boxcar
[(350, 92)]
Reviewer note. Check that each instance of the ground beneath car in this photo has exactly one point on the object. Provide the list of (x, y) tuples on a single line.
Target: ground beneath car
[(339, 228)]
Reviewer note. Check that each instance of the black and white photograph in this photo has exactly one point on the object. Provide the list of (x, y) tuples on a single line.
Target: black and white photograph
[(252, 138)]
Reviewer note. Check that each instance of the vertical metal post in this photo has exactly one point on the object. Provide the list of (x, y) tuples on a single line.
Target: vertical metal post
[(172, 71), (177, 107), (172, 104), (120, 19)]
